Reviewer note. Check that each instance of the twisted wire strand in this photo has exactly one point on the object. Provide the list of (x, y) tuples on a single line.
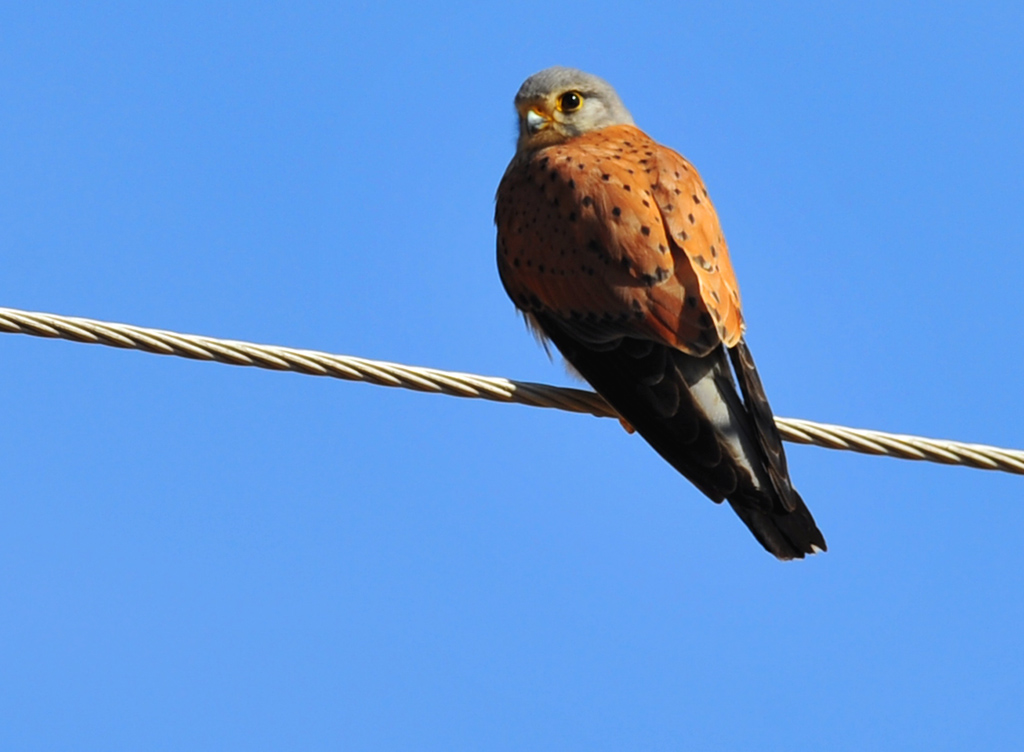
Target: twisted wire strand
[(382, 373)]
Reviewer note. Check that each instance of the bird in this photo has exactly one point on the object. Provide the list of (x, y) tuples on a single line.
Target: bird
[(609, 246)]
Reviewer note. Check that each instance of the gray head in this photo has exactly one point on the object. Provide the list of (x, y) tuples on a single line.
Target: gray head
[(560, 103)]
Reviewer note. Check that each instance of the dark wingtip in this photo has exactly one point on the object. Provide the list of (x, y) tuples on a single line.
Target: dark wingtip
[(786, 535)]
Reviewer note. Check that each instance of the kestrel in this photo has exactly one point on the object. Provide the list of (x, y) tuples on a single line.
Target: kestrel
[(609, 245)]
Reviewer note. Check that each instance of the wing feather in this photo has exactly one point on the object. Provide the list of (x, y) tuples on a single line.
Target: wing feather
[(582, 236), (610, 246)]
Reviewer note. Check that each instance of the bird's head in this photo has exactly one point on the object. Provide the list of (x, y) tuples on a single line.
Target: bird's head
[(560, 103)]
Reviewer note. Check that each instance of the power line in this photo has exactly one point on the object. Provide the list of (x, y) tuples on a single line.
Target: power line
[(315, 363)]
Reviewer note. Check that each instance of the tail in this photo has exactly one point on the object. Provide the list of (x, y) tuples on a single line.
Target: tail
[(790, 533), (787, 535), (687, 408)]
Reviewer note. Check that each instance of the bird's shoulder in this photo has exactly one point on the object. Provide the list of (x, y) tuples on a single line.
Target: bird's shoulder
[(607, 209)]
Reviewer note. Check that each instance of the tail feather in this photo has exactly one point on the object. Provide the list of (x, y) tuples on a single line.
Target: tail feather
[(688, 409), (787, 535), (764, 423)]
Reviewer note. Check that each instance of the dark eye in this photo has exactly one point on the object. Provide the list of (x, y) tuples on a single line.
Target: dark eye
[(570, 101)]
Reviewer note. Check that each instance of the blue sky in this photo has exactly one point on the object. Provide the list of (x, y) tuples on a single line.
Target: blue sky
[(203, 557)]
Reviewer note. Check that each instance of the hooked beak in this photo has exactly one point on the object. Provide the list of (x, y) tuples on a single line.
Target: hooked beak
[(536, 122)]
